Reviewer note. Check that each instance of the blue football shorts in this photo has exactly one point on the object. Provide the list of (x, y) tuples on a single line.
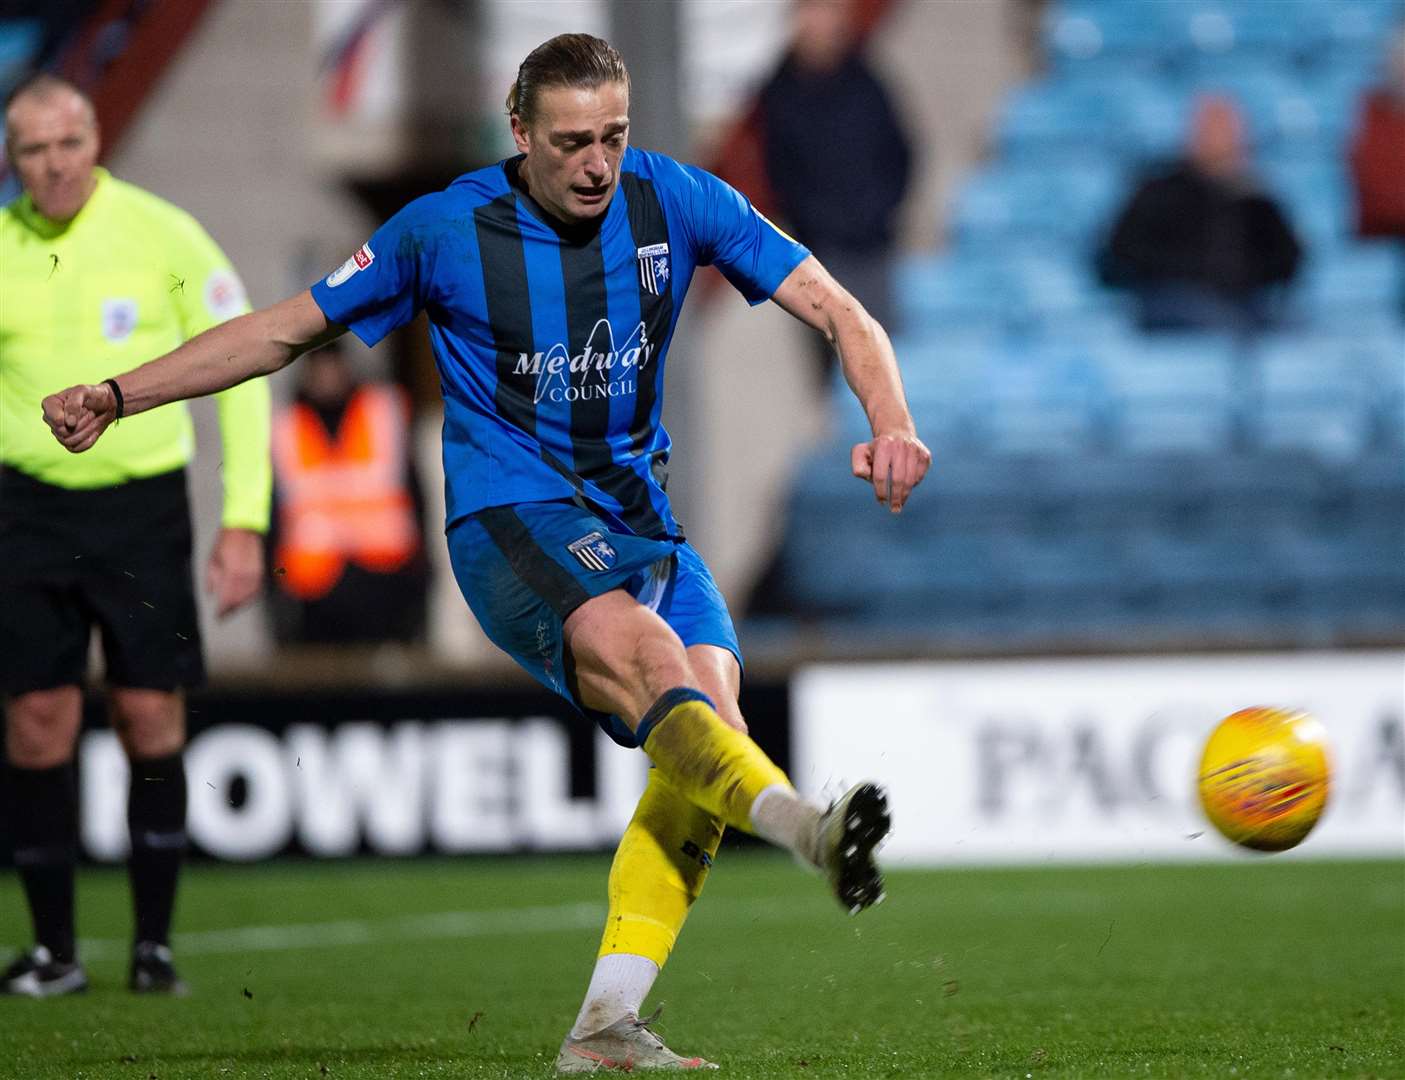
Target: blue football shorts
[(523, 569)]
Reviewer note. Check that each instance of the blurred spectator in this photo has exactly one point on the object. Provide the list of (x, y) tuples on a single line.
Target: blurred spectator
[(347, 542), (836, 156), (1378, 153), (1200, 243)]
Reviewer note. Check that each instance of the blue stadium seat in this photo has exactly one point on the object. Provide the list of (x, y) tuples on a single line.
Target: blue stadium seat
[(1106, 321), (1391, 423), (1034, 204), (1172, 394), (1054, 285), (1061, 118), (1349, 279), (1208, 570), (1011, 423), (1273, 28), (1036, 399), (852, 532), (1151, 121), (998, 201), (975, 494), (1330, 394), (1086, 31), (1315, 195), (1076, 570), (1088, 192), (1351, 29), (1118, 493), (939, 292), (1373, 487), (1243, 490), (1320, 112), (19, 44), (821, 477), (1354, 573), (1155, 423), (1332, 424)]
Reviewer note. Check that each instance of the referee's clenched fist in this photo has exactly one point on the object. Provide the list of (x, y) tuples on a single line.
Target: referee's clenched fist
[(78, 415)]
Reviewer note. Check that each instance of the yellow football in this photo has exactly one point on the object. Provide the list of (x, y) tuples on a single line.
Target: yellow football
[(1265, 777)]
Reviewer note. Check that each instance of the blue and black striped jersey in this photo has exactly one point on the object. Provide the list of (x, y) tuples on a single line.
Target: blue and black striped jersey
[(551, 342)]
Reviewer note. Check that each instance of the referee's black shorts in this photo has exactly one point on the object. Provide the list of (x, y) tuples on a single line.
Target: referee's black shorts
[(116, 558)]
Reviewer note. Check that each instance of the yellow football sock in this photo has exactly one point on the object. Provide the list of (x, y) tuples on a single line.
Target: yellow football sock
[(658, 872), (714, 766)]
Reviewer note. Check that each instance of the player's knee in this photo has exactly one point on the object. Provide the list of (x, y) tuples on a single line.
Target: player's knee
[(149, 723), (616, 637), (658, 657), (41, 727), (625, 656)]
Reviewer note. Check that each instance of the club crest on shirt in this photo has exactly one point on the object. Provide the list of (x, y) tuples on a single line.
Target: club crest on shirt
[(363, 258), (119, 319), (653, 267), (593, 551)]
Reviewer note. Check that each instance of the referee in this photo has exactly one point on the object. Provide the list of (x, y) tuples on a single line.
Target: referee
[(98, 275)]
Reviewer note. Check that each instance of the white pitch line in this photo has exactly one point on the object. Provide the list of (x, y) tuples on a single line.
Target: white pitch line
[(541, 919), (489, 922), (434, 925), (441, 924)]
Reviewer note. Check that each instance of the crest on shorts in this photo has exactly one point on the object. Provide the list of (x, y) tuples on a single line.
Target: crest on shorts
[(593, 551), (653, 267)]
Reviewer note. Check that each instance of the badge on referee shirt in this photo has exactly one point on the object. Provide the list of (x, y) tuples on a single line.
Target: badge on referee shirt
[(224, 295), (653, 267), (593, 551), (119, 319)]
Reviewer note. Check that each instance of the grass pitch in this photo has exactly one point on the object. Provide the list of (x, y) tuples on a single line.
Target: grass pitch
[(475, 968)]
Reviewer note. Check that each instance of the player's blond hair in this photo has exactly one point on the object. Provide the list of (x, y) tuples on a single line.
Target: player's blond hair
[(575, 60)]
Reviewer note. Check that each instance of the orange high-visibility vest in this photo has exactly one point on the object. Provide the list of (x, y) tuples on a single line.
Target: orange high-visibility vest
[(343, 498)]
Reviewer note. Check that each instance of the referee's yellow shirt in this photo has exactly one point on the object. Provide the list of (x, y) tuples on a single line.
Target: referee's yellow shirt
[(129, 278)]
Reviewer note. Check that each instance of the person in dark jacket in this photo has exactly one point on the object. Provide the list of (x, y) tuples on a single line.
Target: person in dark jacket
[(836, 156), (1199, 242)]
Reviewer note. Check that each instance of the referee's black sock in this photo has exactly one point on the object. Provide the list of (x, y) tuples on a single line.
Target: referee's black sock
[(156, 818), (42, 807)]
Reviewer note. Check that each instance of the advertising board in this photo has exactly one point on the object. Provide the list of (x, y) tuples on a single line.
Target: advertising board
[(1091, 759)]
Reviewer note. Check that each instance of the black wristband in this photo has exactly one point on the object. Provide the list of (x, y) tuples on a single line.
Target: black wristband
[(116, 393)]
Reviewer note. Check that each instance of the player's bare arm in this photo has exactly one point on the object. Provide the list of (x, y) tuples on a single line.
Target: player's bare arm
[(259, 343), (894, 460)]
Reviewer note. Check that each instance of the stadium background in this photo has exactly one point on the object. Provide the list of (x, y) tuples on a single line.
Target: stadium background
[(1123, 537)]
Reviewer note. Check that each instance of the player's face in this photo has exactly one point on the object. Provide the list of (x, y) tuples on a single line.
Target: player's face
[(53, 143), (574, 148)]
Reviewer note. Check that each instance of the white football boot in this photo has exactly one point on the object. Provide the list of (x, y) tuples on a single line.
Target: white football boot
[(37, 974), (625, 1046), (849, 833)]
